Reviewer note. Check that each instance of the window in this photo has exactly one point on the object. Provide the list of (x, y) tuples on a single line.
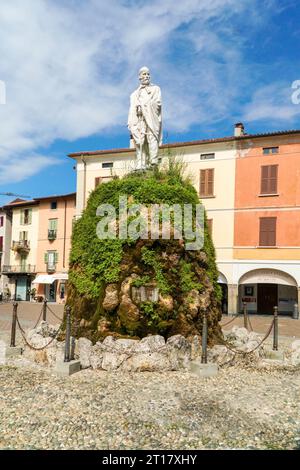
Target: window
[(270, 150), (52, 229), (53, 224), (269, 176), (102, 179), (267, 231), (51, 258), (26, 216), (207, 156), (207, 182), (210, 226), (53, 205), (107, 165), (23, 236), (1, 244), (1, 221)]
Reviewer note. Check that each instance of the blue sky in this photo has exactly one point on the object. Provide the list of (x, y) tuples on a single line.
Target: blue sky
[(69, 67)]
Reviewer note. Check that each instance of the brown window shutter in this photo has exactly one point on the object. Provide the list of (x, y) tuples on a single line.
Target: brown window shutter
[(202, 182), (210, 182), (273, 172), (207, 182), (269, 177), (264, 180), (97, 181), (210, 226), (267, 231)]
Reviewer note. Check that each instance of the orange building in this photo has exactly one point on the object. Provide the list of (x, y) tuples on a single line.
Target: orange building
[(267, 222), (56, 214)]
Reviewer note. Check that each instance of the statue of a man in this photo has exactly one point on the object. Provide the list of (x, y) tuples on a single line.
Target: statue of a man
[(144, 120)]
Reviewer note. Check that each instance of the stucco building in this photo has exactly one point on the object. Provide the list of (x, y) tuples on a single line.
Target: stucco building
[(20, 267), (5, 245), (56, 215), (38, 240)]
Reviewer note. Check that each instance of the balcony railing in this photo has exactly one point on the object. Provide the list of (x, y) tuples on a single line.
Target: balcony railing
[(21, 246), (51, 234), (51, 268), (27, 268)]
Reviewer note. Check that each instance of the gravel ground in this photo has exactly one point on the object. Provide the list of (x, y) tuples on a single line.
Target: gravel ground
[(239, 408)]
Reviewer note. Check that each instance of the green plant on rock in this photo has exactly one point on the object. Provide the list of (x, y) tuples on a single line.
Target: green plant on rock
[(141, 281), (150, 258), (150, 311), (188, 280), (95, 263)]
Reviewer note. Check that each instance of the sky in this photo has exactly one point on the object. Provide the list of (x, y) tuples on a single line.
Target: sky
[(68, 67)]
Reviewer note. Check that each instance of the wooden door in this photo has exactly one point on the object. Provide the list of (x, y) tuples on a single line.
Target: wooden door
[(266, 298)]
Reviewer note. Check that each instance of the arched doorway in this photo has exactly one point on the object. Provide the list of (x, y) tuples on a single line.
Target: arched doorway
[(222, 281), (262, 289)]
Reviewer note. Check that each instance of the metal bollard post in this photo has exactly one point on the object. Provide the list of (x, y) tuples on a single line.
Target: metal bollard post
[(68, 334), (245, 316), (295, 315), (13, 326), (204, 340), (275, 331), (45, 310)]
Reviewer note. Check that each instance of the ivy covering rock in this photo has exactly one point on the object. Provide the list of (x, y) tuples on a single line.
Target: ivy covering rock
[(135, 287)]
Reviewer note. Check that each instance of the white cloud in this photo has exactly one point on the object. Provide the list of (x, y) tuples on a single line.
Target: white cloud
[(69, 67), (273, 103)]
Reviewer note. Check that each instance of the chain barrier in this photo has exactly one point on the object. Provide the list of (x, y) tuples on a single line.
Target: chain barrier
[(237, 351), (30, 345), (51, 311), (230, 321), (41, 313)]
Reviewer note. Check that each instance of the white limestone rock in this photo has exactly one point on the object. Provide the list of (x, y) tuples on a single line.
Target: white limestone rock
[(83, 351), (154, 362)]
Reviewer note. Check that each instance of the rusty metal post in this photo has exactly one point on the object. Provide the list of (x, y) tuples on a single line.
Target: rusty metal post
[(275, 330), (68, 334), (13, 326), (45, 310), (245, 315), (204, 340)]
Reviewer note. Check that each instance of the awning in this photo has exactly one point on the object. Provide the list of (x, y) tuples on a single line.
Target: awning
[(43, 279), (49, 279)]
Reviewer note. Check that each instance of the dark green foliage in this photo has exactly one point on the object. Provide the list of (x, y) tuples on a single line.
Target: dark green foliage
[(95, 263)]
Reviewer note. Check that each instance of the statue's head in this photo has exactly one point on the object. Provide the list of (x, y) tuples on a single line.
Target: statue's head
[(144, 76)]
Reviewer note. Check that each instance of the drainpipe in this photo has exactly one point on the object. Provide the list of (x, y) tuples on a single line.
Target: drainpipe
[(65, 232), (84, 180)]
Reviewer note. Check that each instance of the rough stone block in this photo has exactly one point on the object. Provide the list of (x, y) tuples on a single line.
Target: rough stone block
[(275, 355), (65, 369), (13, 351), (203, 370)]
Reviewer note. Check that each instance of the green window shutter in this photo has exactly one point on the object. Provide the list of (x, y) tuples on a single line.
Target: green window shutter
[(22, 217), (56, 257), (52, 224), (46, 257), (29, 216)]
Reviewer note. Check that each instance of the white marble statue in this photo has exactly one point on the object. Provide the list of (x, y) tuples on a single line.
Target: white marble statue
[(144, 120)]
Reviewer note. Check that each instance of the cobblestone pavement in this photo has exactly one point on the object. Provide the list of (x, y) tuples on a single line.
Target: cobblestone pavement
[(238, 409)]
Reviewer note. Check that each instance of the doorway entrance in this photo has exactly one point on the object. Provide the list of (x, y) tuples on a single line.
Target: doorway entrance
[(50, 291), (267, 298)]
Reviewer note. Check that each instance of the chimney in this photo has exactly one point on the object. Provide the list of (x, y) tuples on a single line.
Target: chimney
[(239, 129)]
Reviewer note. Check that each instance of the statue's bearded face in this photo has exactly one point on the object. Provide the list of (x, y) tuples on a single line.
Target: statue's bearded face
[(144, 77)]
